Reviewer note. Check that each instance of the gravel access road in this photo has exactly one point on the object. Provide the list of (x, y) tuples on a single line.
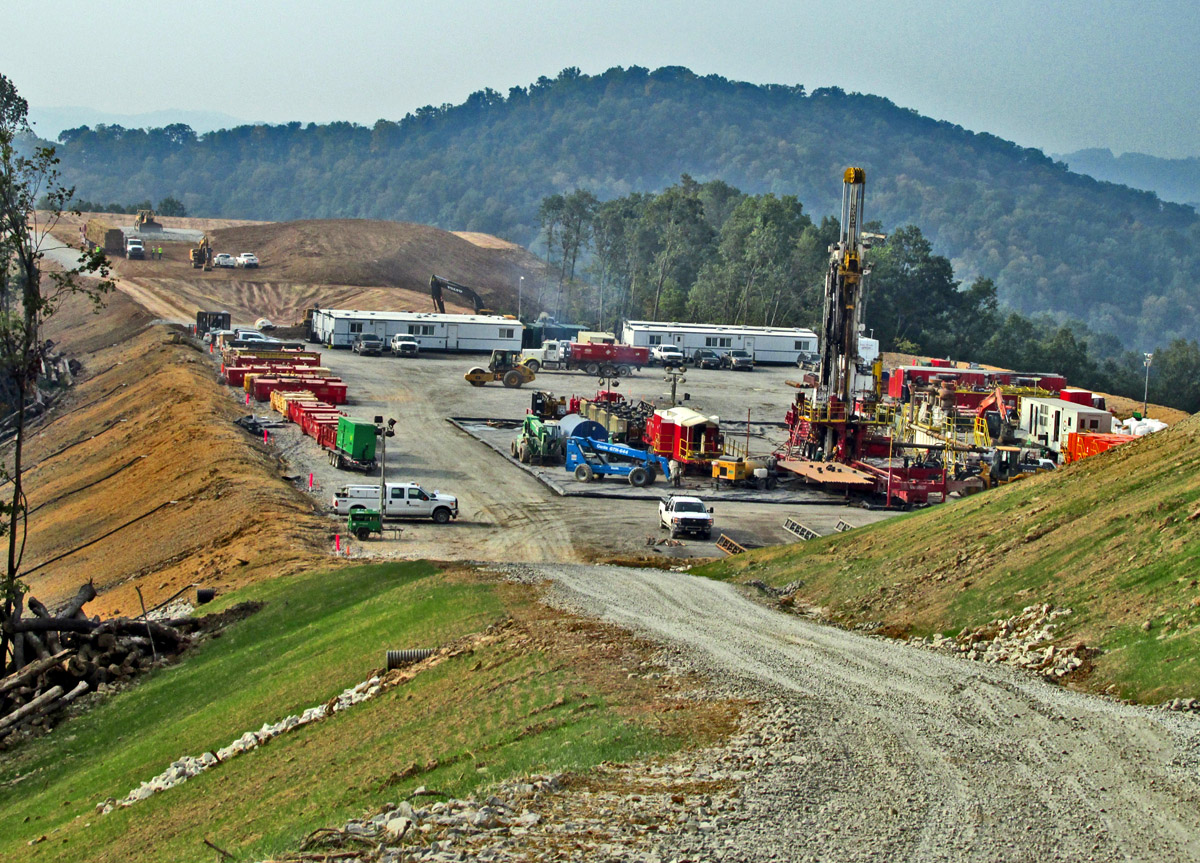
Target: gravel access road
[(870, 749)]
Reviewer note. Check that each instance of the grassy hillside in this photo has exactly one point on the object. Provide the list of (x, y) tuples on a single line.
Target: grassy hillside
[(532, 691), (1053, 240), (1116, 538)]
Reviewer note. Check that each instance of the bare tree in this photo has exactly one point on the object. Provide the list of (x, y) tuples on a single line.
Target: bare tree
[(28, 297)]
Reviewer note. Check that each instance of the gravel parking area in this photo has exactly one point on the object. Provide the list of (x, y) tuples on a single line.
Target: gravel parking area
[(505, 513)]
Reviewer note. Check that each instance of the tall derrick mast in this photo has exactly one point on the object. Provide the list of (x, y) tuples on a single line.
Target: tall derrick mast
[(843, 295)]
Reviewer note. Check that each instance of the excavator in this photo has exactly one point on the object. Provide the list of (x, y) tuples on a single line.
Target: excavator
[(202, 255), (437, 284), (994, 415)]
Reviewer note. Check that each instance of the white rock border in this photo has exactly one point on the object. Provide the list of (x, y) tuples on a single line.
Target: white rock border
[(193, 765)]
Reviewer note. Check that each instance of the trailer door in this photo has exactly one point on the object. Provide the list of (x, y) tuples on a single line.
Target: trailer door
[(678, 338), (451, 337), (750, 346)]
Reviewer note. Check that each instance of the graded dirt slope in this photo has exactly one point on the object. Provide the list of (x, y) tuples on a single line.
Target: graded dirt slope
[(139, 477), (1114, 538), (383, 254)]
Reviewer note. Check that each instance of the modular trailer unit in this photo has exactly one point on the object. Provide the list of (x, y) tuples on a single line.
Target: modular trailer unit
[(338, 328), (1049, 420), (765, 344)]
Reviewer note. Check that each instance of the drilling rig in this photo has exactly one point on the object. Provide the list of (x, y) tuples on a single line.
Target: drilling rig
[(842, 318)]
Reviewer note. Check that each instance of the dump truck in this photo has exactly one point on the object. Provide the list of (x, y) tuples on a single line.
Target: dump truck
[(594, 359), (100, 233), (540, 441)]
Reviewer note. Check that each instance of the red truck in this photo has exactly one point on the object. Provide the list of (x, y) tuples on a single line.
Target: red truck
[(594, 359)]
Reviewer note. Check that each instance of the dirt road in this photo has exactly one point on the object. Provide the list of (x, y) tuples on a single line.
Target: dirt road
[(875, 750)]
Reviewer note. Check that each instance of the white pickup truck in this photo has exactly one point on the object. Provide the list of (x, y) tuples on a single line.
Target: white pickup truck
[(668, 355), (680, 514), (404, 500)]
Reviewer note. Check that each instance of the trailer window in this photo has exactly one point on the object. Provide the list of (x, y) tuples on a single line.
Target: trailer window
[(801, 346), (356, 328), (655, 340), (506, 333), (420, 329), (718, 341)]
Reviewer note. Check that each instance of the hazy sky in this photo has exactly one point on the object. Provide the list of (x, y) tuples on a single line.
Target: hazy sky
[(1056, 74)]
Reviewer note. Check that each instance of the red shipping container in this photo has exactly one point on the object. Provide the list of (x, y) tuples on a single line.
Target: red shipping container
[(1076, 396)]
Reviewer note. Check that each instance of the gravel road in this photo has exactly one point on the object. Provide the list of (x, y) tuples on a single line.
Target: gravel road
[(869, 749)]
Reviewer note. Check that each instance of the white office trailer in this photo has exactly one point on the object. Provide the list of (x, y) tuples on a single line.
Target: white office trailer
[(765, 344), (1050, 420), (340, 327)]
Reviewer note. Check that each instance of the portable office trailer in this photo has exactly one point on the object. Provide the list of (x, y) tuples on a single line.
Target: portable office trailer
[(765, 344), (1050, 420), (339, 328)]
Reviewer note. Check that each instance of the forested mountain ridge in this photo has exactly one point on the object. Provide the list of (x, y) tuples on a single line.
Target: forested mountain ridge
[(1119, 259), (1171, 179)]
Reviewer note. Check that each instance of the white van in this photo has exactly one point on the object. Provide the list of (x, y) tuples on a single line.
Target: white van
[(404, 500)]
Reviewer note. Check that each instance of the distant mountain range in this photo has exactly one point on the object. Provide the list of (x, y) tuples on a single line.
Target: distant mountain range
[(1123, 261), (1175, 180), (50, 122)]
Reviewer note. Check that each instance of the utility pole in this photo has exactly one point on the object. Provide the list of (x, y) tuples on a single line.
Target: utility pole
[(1146, 390), (520, 290), (384, 432), (674, 378)]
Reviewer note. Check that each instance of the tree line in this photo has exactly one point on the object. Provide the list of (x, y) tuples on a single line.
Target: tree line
[(1050, 240), (708, 252)]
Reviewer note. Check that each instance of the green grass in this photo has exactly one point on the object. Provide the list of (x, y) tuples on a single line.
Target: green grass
[(497, 712), (1116, 538)]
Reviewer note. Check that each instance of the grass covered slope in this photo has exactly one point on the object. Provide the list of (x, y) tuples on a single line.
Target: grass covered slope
[(535, 690), (1116, 538)]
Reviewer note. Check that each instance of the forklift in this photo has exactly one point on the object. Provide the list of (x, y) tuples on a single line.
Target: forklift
[(504, 366)]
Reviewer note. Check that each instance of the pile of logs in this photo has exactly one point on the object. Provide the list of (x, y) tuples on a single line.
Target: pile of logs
[(55, 658)]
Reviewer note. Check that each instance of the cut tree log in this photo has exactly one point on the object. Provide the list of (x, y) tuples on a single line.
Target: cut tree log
[(52, 642), (86, 594), (32, 707), (32, 670), (117, 626)]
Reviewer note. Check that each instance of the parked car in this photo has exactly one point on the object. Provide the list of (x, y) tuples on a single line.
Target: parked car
[(368, 345), (213, 336), (810, 361), (706, 359), (247, 260), (224, 260), (404, 345), (404, 500), (680, 514), (668, 355), (738, 361), (250, 336)]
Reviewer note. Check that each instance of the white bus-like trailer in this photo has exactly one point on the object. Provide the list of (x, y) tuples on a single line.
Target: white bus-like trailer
[(339, 328), (765, 344)]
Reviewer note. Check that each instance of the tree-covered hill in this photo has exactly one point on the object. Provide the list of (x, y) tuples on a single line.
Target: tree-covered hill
[(1171, 179), (1121, 260)]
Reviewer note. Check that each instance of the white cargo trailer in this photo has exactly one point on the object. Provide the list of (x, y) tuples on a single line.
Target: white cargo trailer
[(765, 344), (339, 328)]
